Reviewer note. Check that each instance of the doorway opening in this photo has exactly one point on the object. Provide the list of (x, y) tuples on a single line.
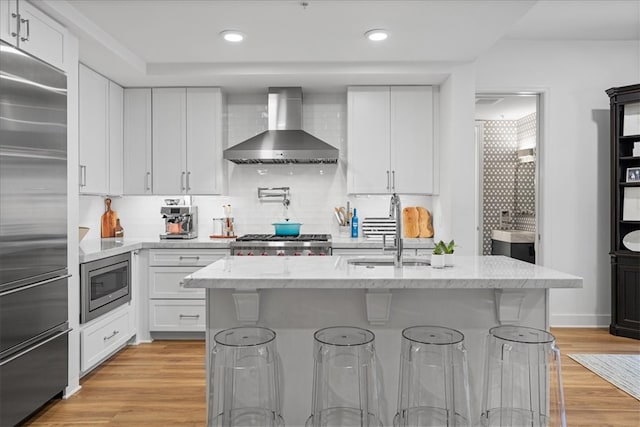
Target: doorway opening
[(507, 195)]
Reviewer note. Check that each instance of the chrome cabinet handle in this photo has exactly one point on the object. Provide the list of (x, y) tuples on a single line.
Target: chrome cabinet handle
[(388, 180), (111, 336), (17, 16), (24, 288), (83, 176), (189, 316), (48, 340), (188, 181), (393, 182), (196, 257), (148, 181), (182, 180), (25, 21)]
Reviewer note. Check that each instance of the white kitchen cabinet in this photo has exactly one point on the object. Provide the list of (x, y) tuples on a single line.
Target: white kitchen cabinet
[(93, 132), (29, 29), (104, 336), (187, 140), (391, 143), (172, 307), (137, 163), (100, 134), (116, 141)]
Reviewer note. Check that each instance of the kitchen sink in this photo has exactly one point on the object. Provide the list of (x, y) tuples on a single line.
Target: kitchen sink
[(386, 262)]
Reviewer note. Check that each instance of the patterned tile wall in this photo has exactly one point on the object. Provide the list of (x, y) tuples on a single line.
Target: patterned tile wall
[(507, 183)]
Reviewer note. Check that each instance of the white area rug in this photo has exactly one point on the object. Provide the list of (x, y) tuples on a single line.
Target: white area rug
[(621, 370)]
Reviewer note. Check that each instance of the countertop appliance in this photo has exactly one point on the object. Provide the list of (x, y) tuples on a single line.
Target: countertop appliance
[(284, 141), (33, 234), (180, 221), (270, 244)]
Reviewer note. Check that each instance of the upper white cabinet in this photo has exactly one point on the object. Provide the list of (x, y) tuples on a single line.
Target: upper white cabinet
[(186, 140), (29, 29), (100, 134), (390, 137), (137, 142)]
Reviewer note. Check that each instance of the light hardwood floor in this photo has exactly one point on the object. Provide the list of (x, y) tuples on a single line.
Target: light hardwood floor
[(163, 384)]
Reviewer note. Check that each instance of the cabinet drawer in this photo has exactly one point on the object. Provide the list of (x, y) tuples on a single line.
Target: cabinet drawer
[(197, 257), (166, 282), (177, 315), (104, 337)]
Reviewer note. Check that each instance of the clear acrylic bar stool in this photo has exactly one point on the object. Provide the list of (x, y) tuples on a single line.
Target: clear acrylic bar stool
[(345, 383), (522, 379), (434, 378), (244, 379)]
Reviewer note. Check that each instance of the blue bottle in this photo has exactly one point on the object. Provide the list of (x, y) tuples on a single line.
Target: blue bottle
[(354, 224)]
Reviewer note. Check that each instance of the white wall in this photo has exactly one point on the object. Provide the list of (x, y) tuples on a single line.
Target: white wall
[(454, 208), (574, 156), (315, 189)]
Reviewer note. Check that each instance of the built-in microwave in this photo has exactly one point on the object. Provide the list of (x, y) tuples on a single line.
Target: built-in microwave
[(104, 285)]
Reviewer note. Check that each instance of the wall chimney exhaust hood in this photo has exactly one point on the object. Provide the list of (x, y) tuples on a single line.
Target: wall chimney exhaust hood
[(285, 141)]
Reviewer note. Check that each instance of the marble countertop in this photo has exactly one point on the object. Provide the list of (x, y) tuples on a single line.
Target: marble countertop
[(93, 249), (488, 272)]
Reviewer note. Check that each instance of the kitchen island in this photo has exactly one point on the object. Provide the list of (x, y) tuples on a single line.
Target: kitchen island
[(295, 296)]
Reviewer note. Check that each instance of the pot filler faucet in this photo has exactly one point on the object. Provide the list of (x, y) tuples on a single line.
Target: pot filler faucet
[(395, 211)]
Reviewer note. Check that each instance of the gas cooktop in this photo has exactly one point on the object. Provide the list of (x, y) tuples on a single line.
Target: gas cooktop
[(274, 238)]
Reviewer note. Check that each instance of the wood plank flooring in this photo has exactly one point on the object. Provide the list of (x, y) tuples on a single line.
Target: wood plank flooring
[(163, 384)]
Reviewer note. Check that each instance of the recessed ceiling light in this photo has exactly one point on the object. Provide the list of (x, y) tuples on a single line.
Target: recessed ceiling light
[(232, 36), (377, 35)]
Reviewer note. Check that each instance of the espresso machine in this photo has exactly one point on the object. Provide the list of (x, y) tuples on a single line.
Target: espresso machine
[(180, 221)]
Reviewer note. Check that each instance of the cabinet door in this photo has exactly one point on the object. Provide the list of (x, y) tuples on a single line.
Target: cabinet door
[(169, 141), (40, 35), (137, 141), (93, 146), (9, 21), (115, 139), (412, 139), (203, 140), (368, 140)]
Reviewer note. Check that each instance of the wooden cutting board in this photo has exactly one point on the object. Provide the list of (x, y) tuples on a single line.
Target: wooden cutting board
[(108, 221)]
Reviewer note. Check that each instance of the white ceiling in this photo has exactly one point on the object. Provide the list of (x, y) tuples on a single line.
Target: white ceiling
[(176, 42)]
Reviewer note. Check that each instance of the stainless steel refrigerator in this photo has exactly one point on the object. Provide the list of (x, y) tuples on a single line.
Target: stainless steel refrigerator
[(33, 234)]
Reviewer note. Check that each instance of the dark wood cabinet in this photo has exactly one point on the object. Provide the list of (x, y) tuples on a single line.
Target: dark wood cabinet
[(625, 190)]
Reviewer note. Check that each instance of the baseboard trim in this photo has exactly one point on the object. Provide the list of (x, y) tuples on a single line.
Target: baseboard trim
[(580, 320)]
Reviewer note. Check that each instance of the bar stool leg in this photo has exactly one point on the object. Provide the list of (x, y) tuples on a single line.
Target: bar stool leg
[(522, 379), (345, 389), (244, 379), (434, 378)]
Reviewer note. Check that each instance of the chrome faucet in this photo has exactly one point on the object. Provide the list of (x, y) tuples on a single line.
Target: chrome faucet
[(395, 211)]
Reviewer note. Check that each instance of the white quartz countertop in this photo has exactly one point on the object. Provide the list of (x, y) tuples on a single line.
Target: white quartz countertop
[(488, 272), (93, 249)]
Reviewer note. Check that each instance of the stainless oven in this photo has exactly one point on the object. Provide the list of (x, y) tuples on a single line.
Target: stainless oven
[(104, 285)]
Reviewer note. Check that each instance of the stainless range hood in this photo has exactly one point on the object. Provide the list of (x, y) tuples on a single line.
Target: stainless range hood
[(285, 141)]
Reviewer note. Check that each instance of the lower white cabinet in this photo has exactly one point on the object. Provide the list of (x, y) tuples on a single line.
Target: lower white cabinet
[(104, 336), (177, 315), (172, 307)]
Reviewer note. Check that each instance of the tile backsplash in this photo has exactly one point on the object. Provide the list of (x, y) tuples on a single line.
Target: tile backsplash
[(507, 183), (315, 189)]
